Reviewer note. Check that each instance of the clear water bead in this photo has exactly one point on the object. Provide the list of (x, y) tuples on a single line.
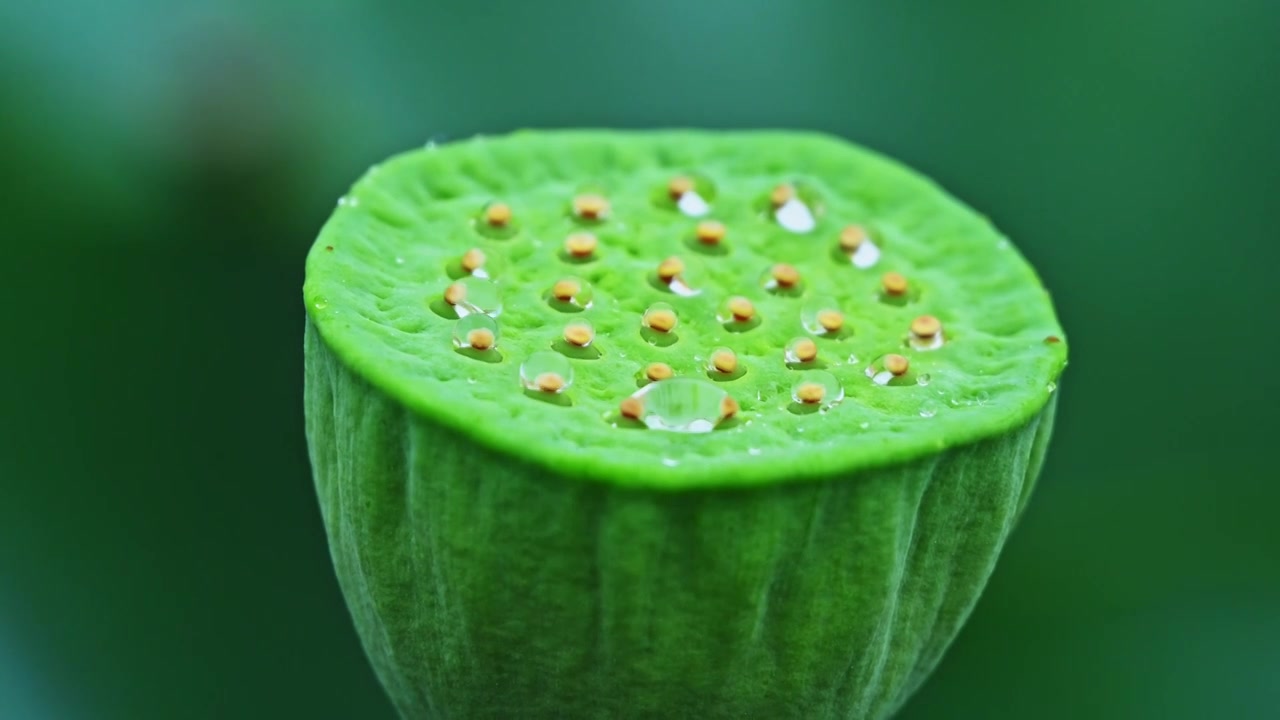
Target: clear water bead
[(817, 387), (475, 332), (546, 371), (684, 405), (795, 216), (480, 296)]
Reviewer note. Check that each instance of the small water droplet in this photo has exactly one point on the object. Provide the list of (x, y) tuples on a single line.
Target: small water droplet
[(884, 370), (692, 204), (867, 255), (753, 451), (479, 296), (399, 261), (795, 216), (685, 405), (475, 332), (925, 344), (321, 304), (864, 425), (817, 388), (923, 379), (1051, 386), (801, 350), (928, 409), (546, 371), (670, 462), (853, 359)]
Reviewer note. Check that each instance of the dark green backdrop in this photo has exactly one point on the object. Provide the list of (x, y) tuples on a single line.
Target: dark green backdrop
[(161, 554)]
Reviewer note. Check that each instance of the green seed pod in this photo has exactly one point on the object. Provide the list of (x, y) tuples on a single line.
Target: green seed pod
[(731, 484)]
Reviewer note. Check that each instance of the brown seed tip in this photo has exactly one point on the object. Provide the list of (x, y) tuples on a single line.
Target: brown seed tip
[(728, 407), (724, 361), (852, 237), (498, 215), (785, 275), (810, 393), (660, 320), (781, 195), (549, 382), (894, 283), (580, 245), (455, 293), (1053, 339), (481, 339), (679, 186), (579, 335), (473, 260), (831, 320), (631, 408), (711, 232), (896, 364), (926, 326), (591, 206), (565, 290), (741, 309), (658, 371), (328, 248), (805, 350), (670, 269)]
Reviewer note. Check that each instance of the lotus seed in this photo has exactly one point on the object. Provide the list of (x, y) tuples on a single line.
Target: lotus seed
[(591, 206), (710, 232), (660, 317), (579, 334), (581, 245), (498, 215), (894, 284), (658, 371), (802, 350)]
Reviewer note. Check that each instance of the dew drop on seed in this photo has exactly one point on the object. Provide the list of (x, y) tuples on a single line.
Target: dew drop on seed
[(660, 317), (817, 387), (880, 373), (570, 294), (684, 405), (480, 297), (475, 332), (692, 204), (822, 316), (801, 350), (546, 371), (795, 216), (926, 343)]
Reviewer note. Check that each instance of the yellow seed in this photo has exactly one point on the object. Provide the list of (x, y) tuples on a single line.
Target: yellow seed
[(481, 339), (679, 186), (785, 275), (661, 320), (894, 283), (549, 382), (896, 364), (926, 326), (590, 206), (631, 408), (831, 320), (579, 335), (729, 407), (565, 290), (724, 361), (741, 309), (580, 245), (811, 393), (852, 237), (658, 371), (805, 350), (455, 293), (498, 215), (473, 260), (781, 195), (711, 232), (670, 269)]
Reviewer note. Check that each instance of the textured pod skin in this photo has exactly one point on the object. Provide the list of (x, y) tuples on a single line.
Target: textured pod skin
[(484, 587)]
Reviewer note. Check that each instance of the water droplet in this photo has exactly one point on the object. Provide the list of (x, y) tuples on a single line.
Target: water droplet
[(1051, 386), (753, 451), (660, 318), (795, 216), (817, 388), (497, 220), (686, 405), (801, 350), (822, 316), (864, 425), (924, 379), (477, 295), (670, 462), (579, 334), (926, 343), (782, 279), (546, 371), (570, 294), (320, 304), (853, 359), (475, 332), (399, 261), (867, 255), (723, 364), (928, 409), (692, 204)]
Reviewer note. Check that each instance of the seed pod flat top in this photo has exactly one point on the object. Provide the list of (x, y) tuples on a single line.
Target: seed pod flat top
[(387, 298)]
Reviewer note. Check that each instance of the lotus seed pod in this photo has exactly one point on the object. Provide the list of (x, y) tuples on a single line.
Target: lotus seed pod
[(769, 482)]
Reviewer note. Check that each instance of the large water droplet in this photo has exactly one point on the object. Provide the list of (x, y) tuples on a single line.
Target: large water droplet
[(817, 388), (496, 220), (692, 204), (822, 316), (684, 405), (546, 371), (928, 409), (570, 294), (475, 332), (478, 296), (867, 254), (795, 216)]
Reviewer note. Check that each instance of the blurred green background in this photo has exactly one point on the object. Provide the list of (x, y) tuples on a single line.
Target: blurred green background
[(167, 165)]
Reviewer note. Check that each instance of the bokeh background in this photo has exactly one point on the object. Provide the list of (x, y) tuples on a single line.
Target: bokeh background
[(166, 165)]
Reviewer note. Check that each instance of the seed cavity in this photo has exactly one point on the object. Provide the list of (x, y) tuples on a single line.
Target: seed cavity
[(660, 318), (683, 405), (581, 246), (801, 350), (591, 206), (570, 294), (475, 332), (817, 389), (546, 372), (856, 244), (926, 333), (822, 317)]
